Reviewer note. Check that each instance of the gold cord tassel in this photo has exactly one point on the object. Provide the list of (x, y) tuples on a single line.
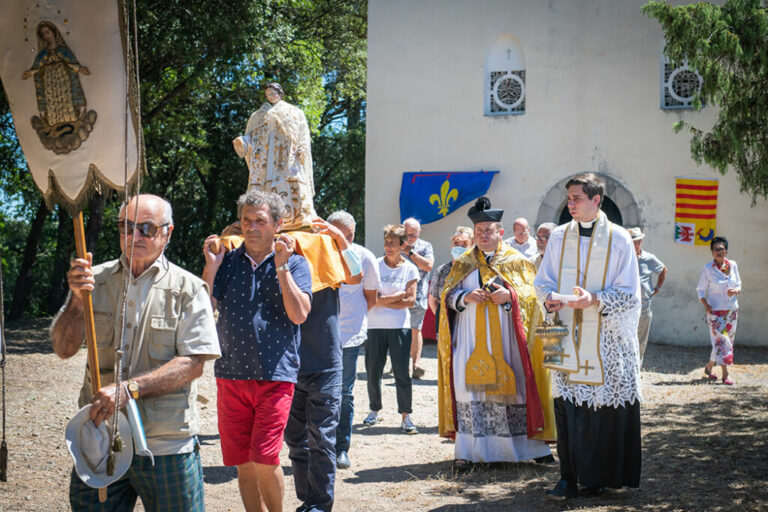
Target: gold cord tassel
[(117, 445), (111, 464)]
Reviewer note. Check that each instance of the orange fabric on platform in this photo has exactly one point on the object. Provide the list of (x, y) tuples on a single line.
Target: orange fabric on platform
[(326, 264)]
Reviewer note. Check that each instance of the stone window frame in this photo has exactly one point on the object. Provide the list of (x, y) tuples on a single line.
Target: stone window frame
[(556, 197)]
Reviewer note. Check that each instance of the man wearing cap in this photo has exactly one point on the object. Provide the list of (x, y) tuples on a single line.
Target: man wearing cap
[(648, 265), (591, 265), (169, 334), (522, 241), (487, 397)]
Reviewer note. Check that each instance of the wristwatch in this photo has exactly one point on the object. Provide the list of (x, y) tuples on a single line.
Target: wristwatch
[(410, 253), (283, 267), (133, 388)]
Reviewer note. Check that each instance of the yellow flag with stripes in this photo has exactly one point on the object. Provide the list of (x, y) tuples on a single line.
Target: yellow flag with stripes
[(695, 210)]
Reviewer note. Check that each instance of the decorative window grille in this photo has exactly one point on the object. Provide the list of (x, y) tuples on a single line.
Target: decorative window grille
[(504, 77), (507, 92), (679, 84)]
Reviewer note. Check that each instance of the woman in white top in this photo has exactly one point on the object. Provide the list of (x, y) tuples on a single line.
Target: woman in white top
[(389, 328), (718, 287)]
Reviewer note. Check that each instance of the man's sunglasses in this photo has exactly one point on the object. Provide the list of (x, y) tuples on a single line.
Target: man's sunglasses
[(147, 229)]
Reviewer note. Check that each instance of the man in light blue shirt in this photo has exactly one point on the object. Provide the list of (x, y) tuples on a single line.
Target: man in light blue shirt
[(648, 265), (419, 252)]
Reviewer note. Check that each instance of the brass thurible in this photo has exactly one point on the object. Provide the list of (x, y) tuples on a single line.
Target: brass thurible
[(552, 331)]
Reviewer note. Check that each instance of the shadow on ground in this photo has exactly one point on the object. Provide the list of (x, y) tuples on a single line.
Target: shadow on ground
[(696, 456), (687, 359), (219, 474), (28, 337)]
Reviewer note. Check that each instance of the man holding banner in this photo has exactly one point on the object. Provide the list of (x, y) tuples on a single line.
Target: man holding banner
[(169, 334), (589, 274)]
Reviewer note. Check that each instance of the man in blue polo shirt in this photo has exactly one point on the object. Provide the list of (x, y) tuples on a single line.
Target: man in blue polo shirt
[(263, 293), (311, 429)]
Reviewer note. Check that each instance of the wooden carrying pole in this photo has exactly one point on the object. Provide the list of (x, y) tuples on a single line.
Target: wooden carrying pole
[(90, 326)]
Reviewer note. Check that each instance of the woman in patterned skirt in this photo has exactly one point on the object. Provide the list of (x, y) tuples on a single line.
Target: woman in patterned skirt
[(718, 287)]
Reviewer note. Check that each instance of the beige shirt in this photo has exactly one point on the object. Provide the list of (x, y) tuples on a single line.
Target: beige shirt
[(168, 314)]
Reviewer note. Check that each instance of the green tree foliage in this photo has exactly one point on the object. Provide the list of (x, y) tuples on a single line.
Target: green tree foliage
[(728, 46), (203, 66)]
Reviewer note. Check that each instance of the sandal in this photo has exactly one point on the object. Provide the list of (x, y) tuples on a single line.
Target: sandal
[(727, 381), (710, 376)]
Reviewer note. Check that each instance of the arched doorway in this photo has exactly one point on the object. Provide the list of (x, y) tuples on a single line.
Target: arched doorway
[(618, 204), (608, 206)]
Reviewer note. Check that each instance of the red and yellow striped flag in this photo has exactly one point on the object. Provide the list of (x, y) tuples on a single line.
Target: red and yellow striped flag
[(695, 210)]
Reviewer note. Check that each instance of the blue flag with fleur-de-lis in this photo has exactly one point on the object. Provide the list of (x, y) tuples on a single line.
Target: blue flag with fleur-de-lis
[(430, 196)]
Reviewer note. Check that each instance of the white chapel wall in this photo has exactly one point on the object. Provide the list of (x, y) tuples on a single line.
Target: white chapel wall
[(592, 104)]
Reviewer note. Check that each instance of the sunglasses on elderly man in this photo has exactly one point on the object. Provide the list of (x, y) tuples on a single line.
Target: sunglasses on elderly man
[(147, 229)]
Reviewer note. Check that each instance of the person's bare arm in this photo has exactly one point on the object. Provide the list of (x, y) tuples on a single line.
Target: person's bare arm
[(295, 301), (424, 264), (212, 264), (68, 328), (173, 375), (660, 281), (370, 297), (433, 304), (408, 299), (341, 243), (386, 300)]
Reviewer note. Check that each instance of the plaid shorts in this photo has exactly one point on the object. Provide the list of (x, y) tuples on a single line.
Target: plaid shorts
[(174, 483)]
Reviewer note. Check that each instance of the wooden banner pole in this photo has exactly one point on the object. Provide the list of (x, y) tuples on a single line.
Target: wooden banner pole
[(90, 326)]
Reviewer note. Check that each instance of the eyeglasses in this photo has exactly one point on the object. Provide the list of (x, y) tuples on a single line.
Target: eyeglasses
[(541, 238), (147, 229)]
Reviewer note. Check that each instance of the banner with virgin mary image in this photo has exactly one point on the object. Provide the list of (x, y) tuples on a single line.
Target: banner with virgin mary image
[(63, 67)]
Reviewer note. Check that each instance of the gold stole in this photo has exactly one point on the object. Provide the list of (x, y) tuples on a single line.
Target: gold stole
[(582, 360), (488, 371)]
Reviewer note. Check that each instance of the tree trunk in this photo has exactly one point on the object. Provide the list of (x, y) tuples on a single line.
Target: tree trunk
[(23, 281), (64, 251), (354, 115), (95, 222)]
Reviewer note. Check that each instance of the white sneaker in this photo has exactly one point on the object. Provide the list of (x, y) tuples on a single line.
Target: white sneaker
[(407, 426), (372, 418)]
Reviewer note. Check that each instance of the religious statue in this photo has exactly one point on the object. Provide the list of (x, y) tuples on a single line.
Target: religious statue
[(276, 147), (64, 121)]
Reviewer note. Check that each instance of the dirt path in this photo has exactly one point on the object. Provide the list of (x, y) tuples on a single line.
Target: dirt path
[(705, 446)]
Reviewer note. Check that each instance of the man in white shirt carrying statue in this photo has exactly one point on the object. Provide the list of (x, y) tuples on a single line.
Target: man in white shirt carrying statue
[(355, 302), (597, 385)]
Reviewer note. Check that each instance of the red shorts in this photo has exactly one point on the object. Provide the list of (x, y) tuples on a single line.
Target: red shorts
[(252, 419)]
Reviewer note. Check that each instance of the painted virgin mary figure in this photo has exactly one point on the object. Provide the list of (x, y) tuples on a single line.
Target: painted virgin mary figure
[(64, 121), (276, 147)]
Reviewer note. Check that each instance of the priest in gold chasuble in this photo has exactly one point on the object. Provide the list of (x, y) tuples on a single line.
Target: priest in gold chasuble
[(487, 394), (597, 387)]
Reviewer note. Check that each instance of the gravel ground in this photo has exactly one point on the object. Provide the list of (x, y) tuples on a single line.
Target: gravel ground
[(705, 446)]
